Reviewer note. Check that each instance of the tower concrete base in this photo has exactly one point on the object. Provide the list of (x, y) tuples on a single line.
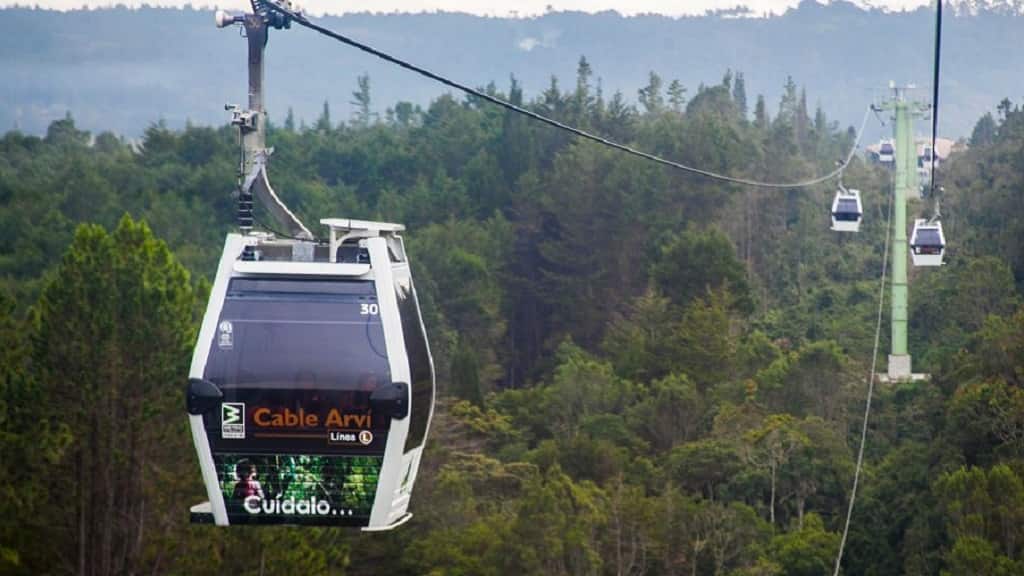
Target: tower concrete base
[(899, 366), (899, 371)]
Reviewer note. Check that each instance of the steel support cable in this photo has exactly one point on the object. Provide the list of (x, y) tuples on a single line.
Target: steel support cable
[(303, 21), (935, 89), (871, 390)]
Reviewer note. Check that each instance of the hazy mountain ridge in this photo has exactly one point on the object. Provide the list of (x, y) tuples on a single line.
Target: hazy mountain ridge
[(973, 7), (962, 7), (124, 68)]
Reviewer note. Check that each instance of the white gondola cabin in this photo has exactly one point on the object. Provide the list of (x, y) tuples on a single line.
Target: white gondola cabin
[(886, 152), (927, 243), (847, 211), (312, 386)]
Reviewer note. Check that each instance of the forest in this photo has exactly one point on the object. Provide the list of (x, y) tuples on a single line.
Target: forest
[(640, 371)]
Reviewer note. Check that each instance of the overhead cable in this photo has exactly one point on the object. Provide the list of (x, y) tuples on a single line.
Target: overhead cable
[(935, 92), (303, 21)]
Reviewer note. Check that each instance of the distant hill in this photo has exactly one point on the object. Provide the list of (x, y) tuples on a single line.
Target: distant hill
[(122, 69)]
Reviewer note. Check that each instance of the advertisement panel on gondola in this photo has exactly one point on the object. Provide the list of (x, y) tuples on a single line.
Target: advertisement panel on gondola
[(298, 488), (298, 456)]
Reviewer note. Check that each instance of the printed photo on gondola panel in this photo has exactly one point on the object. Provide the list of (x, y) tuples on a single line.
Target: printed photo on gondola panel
[(309, 456), (292, 488)]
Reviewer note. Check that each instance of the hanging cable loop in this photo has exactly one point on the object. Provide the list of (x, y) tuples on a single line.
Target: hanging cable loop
[(301, 19)]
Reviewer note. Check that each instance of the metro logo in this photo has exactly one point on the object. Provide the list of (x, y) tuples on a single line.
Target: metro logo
[(231, 413), (232, 420)]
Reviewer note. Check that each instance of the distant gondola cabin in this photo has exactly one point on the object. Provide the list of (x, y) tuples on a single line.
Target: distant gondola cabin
[(927, 243), (847, 211)]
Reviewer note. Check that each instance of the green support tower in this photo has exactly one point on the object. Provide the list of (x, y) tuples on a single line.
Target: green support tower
[(905, 161)]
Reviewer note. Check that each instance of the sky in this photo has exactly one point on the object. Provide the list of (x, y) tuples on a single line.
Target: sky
[(489, 7)]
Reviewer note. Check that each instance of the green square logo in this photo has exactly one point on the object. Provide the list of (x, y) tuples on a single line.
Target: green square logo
[(232, 420)]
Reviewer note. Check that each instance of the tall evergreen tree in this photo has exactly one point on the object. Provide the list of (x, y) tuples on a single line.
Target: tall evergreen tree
[(582, 100), (676, 96), (323, 123), (650, 96), (739, 94), (760, 113), (361, 100), (289, 120), (788, 103), (984, 132), (110, 346)]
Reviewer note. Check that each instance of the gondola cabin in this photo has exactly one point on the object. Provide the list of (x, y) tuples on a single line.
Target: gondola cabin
[(847, 211), (886, 152), (927, 243), (312, 386)]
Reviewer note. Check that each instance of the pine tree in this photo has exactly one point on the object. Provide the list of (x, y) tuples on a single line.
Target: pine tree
[(676, 96), (650, 95), (110, 346), (289, 120), (552, 100), (788, 103), (323, 123), (760, 113), (361, 100), (984, 133), (582, 100), (739, 94), (466, 374), (801, 121)]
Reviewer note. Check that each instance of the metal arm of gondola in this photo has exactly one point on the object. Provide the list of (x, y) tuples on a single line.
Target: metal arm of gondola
[(842, 188), (252, 124)]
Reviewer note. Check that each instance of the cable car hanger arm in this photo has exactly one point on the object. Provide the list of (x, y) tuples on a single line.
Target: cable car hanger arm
[(283, 7), (258, 184), (251, 123)]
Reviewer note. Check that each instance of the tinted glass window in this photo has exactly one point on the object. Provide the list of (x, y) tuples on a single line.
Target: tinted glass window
[(308, 334), (928, 237), (846, 205), (420, 367)]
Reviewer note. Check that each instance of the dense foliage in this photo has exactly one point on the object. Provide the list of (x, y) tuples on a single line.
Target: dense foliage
[(641, 372)]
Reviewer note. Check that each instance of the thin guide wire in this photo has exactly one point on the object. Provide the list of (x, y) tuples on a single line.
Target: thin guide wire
[(871, 391)]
